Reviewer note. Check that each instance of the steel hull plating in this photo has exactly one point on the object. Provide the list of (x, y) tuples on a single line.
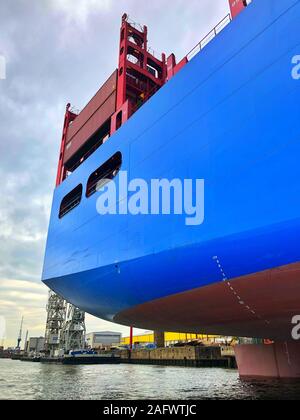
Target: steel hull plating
[(266, 310), (230, 117)]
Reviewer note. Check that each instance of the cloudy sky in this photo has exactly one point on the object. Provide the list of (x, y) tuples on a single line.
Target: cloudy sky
[(60, 51)]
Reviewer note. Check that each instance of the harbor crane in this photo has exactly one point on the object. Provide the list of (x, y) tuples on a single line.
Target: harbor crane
[(65, 327), (20, 335), (56, 316), (74, 331)]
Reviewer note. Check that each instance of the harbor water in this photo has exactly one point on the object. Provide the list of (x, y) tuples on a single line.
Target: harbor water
[(22, 380)]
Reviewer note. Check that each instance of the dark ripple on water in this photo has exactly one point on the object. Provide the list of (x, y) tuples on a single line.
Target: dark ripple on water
[(46, 382)]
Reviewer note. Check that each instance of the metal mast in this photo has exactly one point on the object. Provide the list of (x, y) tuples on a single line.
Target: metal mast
[(25, 343), (20, 334), (56, 317), (74, 331)]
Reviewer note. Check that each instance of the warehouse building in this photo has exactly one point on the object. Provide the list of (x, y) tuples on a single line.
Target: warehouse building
[(171, 338), (97, 340), (35, 345)]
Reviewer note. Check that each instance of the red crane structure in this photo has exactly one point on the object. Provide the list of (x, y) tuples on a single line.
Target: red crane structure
[(139, 76), (140, 73)]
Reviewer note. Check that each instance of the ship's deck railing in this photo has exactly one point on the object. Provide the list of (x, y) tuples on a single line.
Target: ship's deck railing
[(134, 24), (209, 37), (75, 111), (154, 53)]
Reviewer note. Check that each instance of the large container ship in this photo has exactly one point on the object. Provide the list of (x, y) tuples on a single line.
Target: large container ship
[(227, 114)]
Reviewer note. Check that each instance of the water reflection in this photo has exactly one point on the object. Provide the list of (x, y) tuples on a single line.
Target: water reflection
[(37, 381)]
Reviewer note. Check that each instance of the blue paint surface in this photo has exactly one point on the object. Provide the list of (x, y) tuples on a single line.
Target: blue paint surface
[(231, 117)]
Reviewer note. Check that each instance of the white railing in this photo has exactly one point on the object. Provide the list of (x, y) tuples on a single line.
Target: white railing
[(209, 37)]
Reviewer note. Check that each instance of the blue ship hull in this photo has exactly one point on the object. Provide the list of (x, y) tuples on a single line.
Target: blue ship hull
[(231, 117)]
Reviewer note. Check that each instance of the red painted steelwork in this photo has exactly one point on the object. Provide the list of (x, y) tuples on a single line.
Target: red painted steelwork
[(139, 76), (173, 67), (180, 65), (236, 7), (101, 107), (120, 117), (140, 72), (69, 117), (171, 64), (131, 339)]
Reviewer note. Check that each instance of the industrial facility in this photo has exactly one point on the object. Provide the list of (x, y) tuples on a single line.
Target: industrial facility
[(65, 327), (66, 342), (99, 340), (35, 345), (170, 339)]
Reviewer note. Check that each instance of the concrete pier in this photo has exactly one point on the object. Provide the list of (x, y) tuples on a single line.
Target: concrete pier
[(182, 356)]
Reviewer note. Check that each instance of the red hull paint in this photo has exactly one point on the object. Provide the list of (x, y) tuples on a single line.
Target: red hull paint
[(279, 360), (260, 305)]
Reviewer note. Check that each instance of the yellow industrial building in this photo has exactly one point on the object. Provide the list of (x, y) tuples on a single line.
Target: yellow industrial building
[(170, 338)]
